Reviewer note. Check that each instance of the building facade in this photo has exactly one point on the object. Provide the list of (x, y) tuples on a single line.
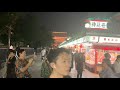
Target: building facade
[(58, 38), (102, 36)]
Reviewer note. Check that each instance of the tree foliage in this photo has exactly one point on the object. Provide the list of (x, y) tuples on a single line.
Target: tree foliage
[(6, 19), (32, 33), (24, 29)]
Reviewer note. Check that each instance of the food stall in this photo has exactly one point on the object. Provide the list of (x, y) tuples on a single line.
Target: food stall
[(94, 48), (98, 40)]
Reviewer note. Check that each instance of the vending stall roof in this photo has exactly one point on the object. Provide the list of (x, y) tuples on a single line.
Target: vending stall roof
[(102, 34), (106, 46)]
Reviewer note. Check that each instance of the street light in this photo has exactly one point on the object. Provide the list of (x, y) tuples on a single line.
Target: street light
[(9, 35), (13, 22)]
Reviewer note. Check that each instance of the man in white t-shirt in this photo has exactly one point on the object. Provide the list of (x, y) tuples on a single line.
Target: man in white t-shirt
[(43, 53)]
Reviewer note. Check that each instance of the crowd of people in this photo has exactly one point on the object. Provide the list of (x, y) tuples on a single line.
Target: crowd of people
[(57, 63), (110, 70), (18, 67), (61, 61)]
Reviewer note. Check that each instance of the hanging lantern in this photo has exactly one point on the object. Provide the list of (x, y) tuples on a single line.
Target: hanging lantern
[(81, 46)]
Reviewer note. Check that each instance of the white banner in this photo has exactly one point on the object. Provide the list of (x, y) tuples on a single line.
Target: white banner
[(96, 24), (109, 40)]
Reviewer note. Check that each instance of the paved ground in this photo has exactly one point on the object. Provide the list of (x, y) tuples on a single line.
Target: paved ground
[(86, 73), (36, 67)]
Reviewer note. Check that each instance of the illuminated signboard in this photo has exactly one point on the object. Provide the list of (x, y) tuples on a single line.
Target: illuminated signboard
[(109, 40), (93, 38), (96, 24), (90, 39)]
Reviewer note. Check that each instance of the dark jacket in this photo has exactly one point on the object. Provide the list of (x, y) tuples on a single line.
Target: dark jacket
[(107, 61), (79, 61), (11, 68), (72, 60)]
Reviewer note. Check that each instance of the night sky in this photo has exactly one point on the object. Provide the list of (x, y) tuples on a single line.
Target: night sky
[(66, 21)]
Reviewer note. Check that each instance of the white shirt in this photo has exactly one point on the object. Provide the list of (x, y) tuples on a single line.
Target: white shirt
[(43, 52)]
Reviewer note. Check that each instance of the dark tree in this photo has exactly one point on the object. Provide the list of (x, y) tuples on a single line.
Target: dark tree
[(24, 29)]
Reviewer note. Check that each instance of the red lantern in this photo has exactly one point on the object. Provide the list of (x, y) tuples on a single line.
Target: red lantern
[(81, 46)]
